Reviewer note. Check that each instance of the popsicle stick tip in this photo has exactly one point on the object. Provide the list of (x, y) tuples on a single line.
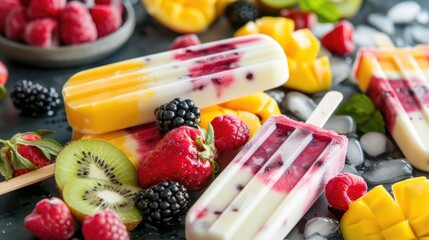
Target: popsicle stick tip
[(382, 40), (325, 108)]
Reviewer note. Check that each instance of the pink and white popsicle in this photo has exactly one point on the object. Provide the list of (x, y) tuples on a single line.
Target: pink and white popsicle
[(272, 182), (124, 94)]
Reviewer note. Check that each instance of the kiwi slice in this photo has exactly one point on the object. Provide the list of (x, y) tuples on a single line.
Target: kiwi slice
[(86, 196), (91, 158)]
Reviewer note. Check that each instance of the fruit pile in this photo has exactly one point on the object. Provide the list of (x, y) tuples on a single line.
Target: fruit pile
[(51, 23)]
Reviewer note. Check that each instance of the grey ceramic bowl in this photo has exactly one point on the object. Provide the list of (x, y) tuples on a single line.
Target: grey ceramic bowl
[(68, 56)]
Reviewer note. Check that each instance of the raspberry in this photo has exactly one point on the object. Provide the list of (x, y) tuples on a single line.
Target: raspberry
[(107, 19), (104, 225), (15, 24), (344, 189), (6, 7), (116, 3), (51, 219), (240, 12), (45, 8), (42, 33), (230, 133), (25, 3), (163, 203), (76, 25), (185, 41)]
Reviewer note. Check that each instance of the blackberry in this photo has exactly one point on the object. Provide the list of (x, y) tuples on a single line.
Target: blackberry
[(176, 113), (164, 203), (34, 99), (240, 12)]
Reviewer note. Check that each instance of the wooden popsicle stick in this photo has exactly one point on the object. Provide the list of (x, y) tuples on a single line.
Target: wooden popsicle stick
[(325, 108), (27, 179), (382, 40)]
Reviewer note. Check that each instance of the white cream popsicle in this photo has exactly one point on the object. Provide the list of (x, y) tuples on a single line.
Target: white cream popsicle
[(397, 81), (124, 94), (272, 182)]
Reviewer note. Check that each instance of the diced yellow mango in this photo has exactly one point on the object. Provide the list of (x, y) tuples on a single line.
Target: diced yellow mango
[(384, 208), (279, 28), (365, 229), (248, 28), (259, 103), (221, 5), (401, 231), (418, 199), (302, 46), (420, 225), (402, 198), (358, 210)]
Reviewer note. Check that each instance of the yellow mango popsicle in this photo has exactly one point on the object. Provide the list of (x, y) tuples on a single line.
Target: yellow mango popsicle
[(124, 94)]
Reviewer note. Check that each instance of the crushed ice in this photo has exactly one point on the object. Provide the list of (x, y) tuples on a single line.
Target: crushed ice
[(404, 12), (354, 152), (299, 104), (341, 124), (321, 228), (375, 144)]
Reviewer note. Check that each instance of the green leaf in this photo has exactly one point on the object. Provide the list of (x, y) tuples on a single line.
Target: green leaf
[(18, 161), (44, 132), (6, 169), (358, 106), (3, 92), (47, 145), (210, 135), (374, 124)]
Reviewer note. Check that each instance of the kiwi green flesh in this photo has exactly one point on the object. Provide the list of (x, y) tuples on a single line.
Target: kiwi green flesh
[(347, 8), (86, 196), (90, 158), (279, 3)]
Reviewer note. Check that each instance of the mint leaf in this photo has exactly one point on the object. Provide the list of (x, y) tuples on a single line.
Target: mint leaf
[(374, 124), (358, 106), (362, 110)]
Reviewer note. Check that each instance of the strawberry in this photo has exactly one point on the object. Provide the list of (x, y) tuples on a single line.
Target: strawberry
[(301, 19), (104, 225), (25, 152), (343, 189), (184, 155), (4, 74), (115, 3), (340, 39), (51, 219)]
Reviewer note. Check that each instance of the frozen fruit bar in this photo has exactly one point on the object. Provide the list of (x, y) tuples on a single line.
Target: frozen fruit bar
[(124, 94), (270, 184), (397, 82)]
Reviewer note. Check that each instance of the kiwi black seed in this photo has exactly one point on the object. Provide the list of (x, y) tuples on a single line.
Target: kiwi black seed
[(91, 158), (86, 196)]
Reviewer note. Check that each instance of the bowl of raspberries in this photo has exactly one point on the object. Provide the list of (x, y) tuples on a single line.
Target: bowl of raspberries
[(63, 33)]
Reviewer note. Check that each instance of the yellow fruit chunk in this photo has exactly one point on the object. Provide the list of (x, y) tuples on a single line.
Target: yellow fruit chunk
[(406, 216), (421, 225), (384, 208), (185, 16), (401, 231), (307, 73), (303, 46), (309, 77), (401, 197), (260, 104), (221, 6)]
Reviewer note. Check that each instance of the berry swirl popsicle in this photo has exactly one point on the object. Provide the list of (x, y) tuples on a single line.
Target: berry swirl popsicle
[(124, 94), (397, 81), (272, 182)]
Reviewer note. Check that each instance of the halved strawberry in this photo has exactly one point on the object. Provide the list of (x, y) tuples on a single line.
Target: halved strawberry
[(4, 74), (184, 155), (25, 152), (340, 39)]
